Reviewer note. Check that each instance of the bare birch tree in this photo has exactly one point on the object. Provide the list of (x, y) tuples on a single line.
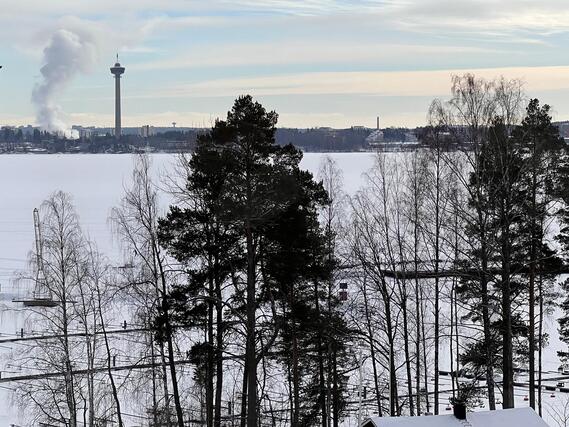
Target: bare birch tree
[(135, 221)]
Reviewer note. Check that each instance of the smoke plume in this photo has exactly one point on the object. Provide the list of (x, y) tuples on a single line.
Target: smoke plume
[(68, 53)]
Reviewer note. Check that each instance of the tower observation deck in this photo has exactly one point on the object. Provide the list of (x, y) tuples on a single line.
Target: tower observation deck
[(117, 70)]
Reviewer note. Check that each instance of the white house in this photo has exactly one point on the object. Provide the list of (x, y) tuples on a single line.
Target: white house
[(516, 417)]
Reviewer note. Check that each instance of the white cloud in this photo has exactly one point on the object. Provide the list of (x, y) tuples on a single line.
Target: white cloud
[(484, 16), (463, 15), (129, 23), (394, 83), (297, 51)]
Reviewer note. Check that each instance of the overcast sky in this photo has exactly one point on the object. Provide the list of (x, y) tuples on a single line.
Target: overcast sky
[(316, 62)]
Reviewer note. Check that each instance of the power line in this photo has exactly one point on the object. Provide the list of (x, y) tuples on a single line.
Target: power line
[(89, 371), (74, 334)]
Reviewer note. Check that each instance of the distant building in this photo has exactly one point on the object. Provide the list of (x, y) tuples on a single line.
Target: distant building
[(147, 131), (410, 137), (84, 132), (28, 130), (376, 137), (563, 128)]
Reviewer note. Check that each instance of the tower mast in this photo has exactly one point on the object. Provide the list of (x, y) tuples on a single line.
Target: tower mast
[(117, 70)]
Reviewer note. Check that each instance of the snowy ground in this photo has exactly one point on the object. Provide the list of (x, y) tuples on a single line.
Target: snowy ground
[(96, 183)]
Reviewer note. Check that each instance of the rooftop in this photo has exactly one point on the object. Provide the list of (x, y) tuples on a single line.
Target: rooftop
[(515, 417)]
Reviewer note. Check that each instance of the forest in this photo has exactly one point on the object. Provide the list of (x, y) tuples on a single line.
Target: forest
[(266, 296)]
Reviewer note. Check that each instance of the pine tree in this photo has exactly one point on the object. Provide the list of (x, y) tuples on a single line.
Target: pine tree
[(497, 179), (252, 217), (195, 236), (540, 144), (297, 268)]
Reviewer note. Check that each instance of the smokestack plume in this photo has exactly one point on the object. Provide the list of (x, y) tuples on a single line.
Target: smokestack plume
[(67, 54)]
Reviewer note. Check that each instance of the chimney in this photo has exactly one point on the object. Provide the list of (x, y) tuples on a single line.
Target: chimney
[(377, 122), (459, 410)]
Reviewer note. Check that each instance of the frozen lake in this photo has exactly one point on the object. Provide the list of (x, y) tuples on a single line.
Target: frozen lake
[(96, 183)]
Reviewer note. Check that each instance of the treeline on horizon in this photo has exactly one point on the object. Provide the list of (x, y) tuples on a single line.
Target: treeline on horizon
[(310, 140), (315, 140)]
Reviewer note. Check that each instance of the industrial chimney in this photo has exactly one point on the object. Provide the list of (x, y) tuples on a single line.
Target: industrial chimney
[(377, 122), (117, 70), (459, 410)]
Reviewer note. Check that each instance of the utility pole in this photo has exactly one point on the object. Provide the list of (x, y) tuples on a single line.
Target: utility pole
[(360, 387)]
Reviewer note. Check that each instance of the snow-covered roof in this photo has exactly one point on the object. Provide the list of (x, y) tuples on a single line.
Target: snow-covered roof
[(515, 417)]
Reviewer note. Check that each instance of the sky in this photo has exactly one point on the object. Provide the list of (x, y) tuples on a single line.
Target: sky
[(335, 63)]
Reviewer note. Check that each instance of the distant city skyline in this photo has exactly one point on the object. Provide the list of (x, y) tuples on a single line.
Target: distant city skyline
[(318, 63)]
